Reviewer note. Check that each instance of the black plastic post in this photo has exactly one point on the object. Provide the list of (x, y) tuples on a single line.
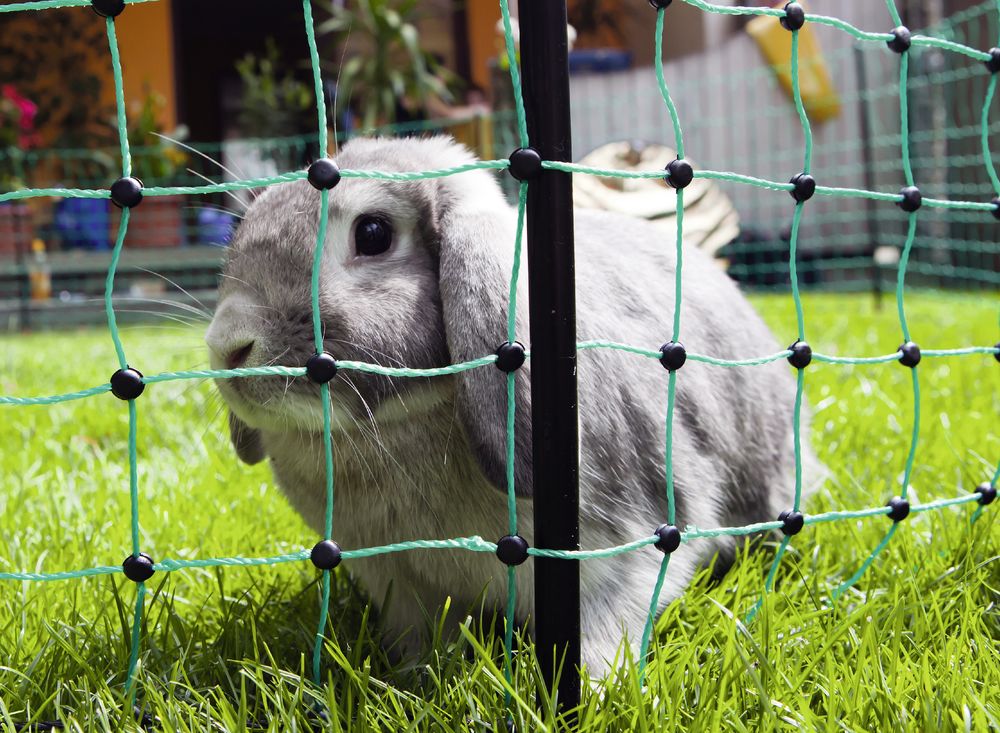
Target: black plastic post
[(551, 280)]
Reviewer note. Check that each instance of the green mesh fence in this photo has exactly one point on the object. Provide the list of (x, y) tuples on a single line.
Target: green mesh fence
[(130, 383)]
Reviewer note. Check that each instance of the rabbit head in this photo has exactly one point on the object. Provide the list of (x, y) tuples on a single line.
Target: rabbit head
[(413, 273)]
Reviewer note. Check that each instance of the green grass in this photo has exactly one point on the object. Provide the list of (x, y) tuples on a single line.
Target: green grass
[(915, 646)]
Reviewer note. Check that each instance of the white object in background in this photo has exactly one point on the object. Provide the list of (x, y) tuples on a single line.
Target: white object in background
[(710, 219)]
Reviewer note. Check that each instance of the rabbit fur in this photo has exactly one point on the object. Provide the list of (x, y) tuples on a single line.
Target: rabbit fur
[(423, 458)]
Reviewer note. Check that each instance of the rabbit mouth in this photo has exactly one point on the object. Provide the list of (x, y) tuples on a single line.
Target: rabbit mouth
[(277, 408)]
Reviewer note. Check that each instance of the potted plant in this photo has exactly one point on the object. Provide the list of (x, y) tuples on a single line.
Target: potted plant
[(158, 221), (273, 105), (17, 135), (386, 77)]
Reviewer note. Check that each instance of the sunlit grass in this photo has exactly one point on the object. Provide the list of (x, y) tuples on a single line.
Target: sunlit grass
[(915, 646)]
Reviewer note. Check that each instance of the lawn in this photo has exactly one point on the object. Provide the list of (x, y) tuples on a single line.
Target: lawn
[(914, 646)]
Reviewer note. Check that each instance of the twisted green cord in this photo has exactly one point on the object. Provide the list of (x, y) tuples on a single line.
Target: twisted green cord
[(672, 378), (894, 12), (493, 165), (515, 74), (662, 83), (800, 318), (133, 474), (991, 169), (794, 269), (843, 25), (133, 659), (900, 287), (116, 69), (647, 629), (522, 198), (483, 361), (50, 4), (799, 106), (478, 544), (120, 351), (508, 636), (475, 543), (324, 211), (109, 286), (69, 193), (904, 115), (317, 76), (56, 399)]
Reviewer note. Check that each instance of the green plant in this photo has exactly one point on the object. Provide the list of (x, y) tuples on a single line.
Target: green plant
[(154, 157), (385, 68), (273, 104), (913, 648)]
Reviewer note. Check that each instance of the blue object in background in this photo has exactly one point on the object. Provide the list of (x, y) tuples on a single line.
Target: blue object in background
[(83, 223), (597, 60), (215, 227)]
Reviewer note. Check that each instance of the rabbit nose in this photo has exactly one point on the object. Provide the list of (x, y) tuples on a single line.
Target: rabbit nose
[(237, 354), (230, 351), (233, 338)]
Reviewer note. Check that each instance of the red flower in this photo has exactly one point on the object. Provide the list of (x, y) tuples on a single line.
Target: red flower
[(26, 122)]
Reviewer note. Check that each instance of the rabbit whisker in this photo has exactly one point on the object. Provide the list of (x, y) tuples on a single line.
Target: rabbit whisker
[(204, 308), (204, 155)]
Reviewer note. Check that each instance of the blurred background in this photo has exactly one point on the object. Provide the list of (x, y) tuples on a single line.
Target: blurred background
[(223, 90)]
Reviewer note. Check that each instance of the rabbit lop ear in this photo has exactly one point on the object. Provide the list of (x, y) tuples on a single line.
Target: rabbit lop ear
[(246, 440), (476, 229)]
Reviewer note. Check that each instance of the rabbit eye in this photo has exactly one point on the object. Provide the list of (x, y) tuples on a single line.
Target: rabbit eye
[(372, 236)]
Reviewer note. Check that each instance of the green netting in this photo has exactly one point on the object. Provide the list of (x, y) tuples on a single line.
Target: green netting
[(478, 544)]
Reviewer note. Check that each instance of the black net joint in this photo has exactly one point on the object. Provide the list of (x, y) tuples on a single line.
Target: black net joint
[(993, 62), (138, 568), (912, 199), (108, 8), (126, 193), (909, 354), (801, 355), (127, 384), (669, 538), (510, 356), (679, 174), (794, 17), (987, 493), (804, 187), (901, 39), (899, 509), (792, 522), (525, 164), (512, 549), (321, 368), (673, 355), (325, 555), (324, 174)]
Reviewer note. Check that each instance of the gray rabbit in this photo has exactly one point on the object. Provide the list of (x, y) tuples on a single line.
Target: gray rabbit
[(416, 274)]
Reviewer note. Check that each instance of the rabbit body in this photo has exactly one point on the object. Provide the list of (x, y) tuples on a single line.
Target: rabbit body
[(424, 458)]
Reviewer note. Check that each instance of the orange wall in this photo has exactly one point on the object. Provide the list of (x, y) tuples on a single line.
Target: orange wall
[(145, 40), (482, 19)]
